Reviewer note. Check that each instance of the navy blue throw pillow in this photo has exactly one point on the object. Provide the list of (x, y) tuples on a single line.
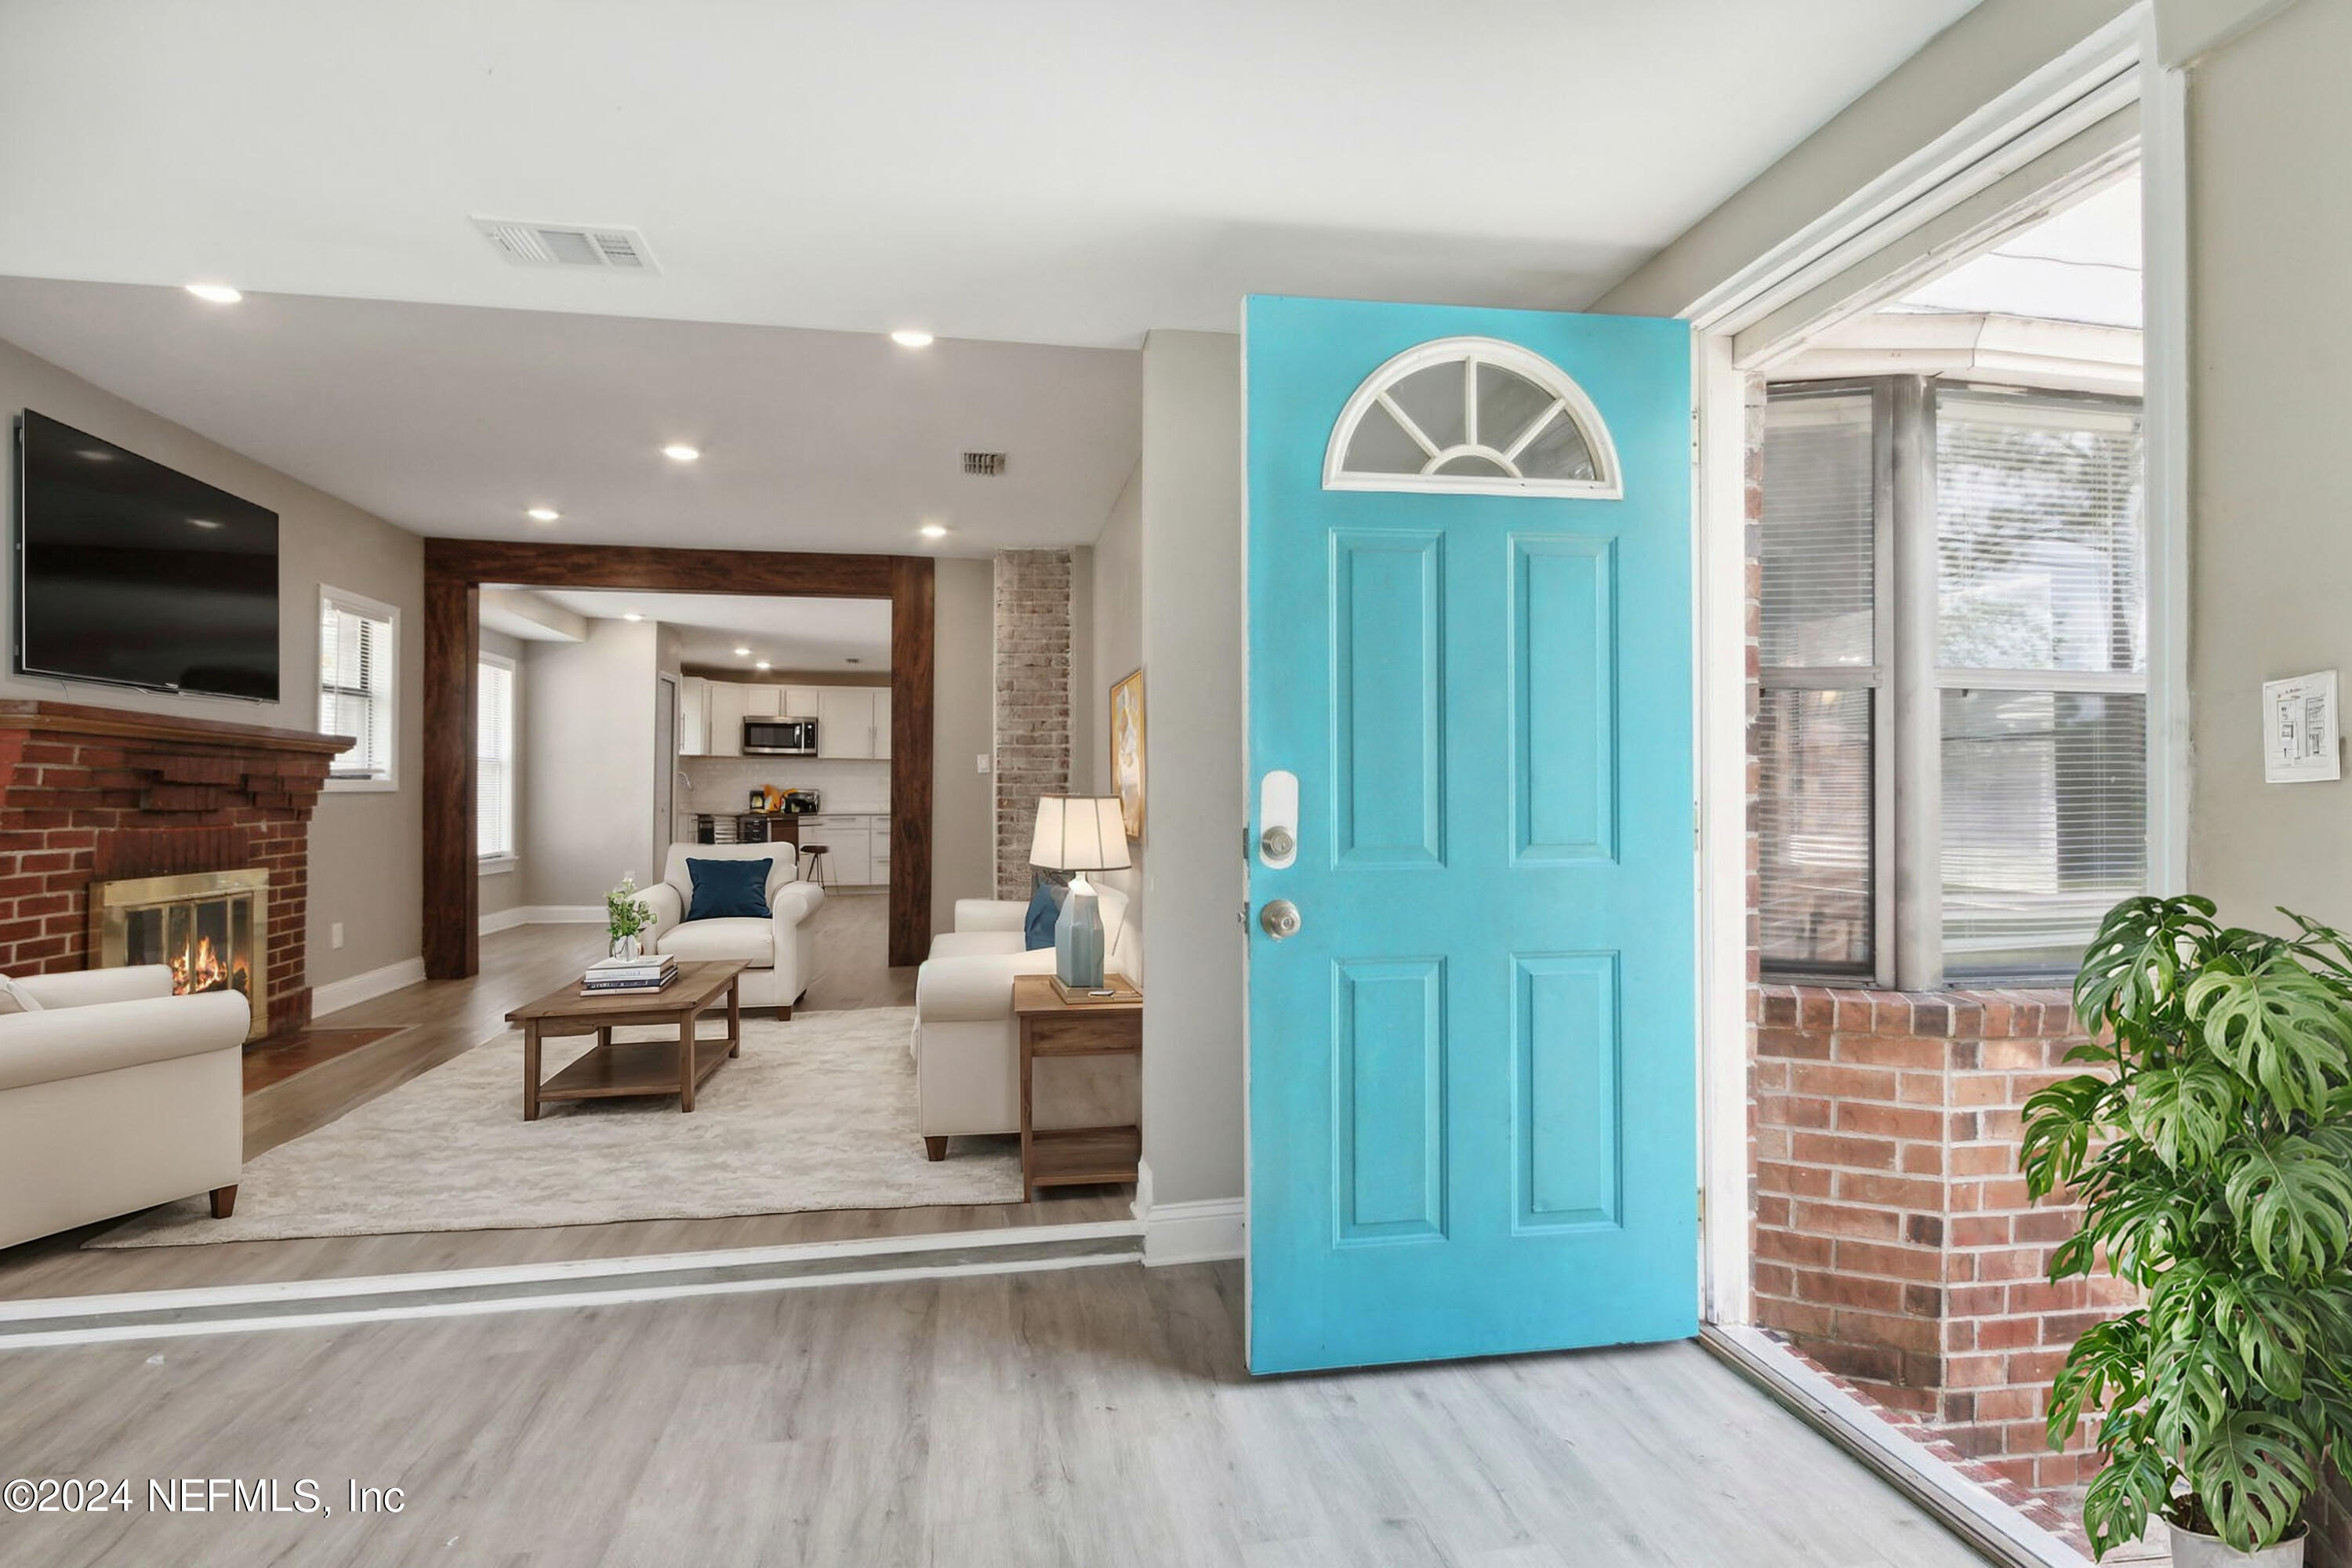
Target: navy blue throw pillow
[(1045, 908), (728, 889)]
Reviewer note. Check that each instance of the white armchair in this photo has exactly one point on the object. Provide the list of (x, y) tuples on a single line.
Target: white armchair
[(780, 950), (968, 1048), (116, 1095)]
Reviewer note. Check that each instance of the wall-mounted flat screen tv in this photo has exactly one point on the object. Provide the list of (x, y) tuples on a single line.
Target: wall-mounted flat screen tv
[(131, 572)]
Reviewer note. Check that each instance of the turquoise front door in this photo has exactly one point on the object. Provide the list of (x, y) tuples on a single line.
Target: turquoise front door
[(1472, 1065)]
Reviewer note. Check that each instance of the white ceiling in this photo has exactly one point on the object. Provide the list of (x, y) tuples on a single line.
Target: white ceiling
[(451, 420), (1039, 171), (790, 634)]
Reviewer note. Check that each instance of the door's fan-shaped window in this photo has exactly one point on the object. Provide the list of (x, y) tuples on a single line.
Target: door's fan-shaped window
[(1472, 414)]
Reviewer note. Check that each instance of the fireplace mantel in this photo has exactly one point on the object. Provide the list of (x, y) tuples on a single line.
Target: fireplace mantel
[(90, 793)]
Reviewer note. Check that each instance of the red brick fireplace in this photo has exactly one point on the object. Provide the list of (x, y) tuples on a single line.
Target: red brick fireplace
[(99, 795)]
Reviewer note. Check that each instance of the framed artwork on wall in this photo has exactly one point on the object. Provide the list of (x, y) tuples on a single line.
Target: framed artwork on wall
[(1127, 751)]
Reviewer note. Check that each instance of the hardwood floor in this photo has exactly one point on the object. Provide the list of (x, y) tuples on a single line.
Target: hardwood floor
[(437, 1020), (1090, 1417)]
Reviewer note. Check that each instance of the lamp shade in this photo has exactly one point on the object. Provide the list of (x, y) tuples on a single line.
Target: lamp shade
[(1080, 833)]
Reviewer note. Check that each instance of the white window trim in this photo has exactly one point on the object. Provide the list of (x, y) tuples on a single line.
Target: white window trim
[(375, 609), (1607, 483), (500, 864)]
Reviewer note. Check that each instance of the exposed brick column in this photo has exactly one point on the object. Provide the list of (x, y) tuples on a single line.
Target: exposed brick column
[(1032, 701), (1895, 1242)]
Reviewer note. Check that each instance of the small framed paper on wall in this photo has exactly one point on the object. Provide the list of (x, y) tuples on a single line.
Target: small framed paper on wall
[(1127, 751), (2299, 730)]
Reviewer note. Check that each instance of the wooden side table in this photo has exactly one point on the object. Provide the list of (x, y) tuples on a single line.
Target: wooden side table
[(1076, 1156)]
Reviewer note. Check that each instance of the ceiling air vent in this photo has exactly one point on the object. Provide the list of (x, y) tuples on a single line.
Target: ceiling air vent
[(989, 465), (604, 247)]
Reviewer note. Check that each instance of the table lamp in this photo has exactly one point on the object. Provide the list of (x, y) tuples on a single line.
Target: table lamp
[(1079, 834)]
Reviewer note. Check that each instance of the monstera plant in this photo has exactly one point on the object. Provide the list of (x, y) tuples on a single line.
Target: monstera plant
[(2211, 1151)]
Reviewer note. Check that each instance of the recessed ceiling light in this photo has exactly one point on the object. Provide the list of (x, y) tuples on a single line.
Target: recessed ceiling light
[(679, 452), (934, 530), (203, 523), (742, 652), (218, 293), (762, 665), (912, 338), (542, 514), (632, 615)]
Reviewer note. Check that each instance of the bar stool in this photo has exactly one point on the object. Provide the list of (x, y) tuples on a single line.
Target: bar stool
[(814, 867)]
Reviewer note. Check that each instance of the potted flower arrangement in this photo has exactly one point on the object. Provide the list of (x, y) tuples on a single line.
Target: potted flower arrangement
[(2212, 1154), (625, 918)]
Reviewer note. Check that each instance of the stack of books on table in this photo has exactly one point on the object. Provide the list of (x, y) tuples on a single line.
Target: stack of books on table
[(629, 976)]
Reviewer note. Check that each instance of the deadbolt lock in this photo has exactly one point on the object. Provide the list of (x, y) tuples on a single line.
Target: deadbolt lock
[(1276, 843), (1279, 919)]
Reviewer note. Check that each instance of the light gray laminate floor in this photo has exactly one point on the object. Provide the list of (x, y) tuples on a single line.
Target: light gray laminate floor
[(1099, 1419)]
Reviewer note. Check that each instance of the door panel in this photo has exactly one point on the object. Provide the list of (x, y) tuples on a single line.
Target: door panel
[(1472, 1094)]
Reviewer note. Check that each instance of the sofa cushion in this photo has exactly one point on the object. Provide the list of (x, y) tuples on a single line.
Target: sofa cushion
[(1044, 911), (976, 943), (12, 1000), (728, 889), (744, 941)]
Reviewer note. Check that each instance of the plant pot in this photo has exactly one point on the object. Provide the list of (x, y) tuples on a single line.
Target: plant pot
[(2191, 1550)]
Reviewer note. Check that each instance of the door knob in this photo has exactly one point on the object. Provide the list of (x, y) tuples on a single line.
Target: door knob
[(1279, 919)]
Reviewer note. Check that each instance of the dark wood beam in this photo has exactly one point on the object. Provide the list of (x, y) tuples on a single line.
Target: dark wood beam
[(452, 892), (549, 564), (913, 623)]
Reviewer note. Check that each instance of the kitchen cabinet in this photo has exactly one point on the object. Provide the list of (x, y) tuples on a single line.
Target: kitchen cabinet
[(800, 702), (845, 722), (848, 847), (693, 717), (726, 717), (881, 724), (764, 701)]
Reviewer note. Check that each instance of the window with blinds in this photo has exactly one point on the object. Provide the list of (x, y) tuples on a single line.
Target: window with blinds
[(358, 664), (2042, 637), (494, 765), (2038, 593), (1818, 650)]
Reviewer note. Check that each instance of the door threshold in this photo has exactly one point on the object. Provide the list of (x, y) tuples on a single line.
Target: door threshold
[(1996, 1530), (576, 1282)]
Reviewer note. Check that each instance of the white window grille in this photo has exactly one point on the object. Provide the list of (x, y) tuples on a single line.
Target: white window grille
[(1476, 416), (494, 759)]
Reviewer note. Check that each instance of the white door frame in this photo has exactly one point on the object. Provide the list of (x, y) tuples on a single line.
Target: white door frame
[(2113, 64)]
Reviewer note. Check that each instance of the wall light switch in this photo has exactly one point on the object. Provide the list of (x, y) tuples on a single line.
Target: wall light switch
[(335, 934), (982, 763)]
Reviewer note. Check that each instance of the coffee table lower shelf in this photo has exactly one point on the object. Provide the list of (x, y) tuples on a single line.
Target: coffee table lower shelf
[(1083, 1156), (620, 1067)]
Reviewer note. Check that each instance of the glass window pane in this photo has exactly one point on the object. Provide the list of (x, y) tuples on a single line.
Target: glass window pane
[(1507, 404), (1817, 532), (2045, 824), (1379, 446), (1558, 452), (1434, 398), (1814, 824), (2038, 519)]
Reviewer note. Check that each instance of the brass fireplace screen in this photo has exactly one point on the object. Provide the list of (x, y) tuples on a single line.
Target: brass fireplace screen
[(210, 929)]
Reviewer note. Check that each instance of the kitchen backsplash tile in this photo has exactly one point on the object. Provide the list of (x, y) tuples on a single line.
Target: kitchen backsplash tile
[(846, 787)]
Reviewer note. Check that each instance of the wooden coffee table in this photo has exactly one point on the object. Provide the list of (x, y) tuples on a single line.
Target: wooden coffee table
[(614, 1069)]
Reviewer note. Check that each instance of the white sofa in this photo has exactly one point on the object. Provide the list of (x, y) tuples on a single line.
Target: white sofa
[(968, 1050), (781, 949), (116, 1095)]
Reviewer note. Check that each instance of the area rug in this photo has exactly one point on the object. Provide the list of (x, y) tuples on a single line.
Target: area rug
[(817, 1113)]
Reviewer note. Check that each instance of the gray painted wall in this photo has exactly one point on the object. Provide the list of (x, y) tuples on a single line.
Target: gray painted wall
[(1191, 569), (588, 747), (366, 848), (2270, 155)]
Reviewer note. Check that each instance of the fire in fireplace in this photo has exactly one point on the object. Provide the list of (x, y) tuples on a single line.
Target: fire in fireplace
[(209, 929)]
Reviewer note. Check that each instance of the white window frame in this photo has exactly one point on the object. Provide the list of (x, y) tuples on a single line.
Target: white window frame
[(360, 604), (507, 861), (1570, 401), (2065, 96)]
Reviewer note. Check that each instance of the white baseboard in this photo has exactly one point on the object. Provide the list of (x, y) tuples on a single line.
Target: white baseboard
[(336, 996), (1206, 1231), (505, 920)]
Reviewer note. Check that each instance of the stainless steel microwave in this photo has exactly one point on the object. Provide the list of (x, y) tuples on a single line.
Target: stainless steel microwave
[(780, 737)]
